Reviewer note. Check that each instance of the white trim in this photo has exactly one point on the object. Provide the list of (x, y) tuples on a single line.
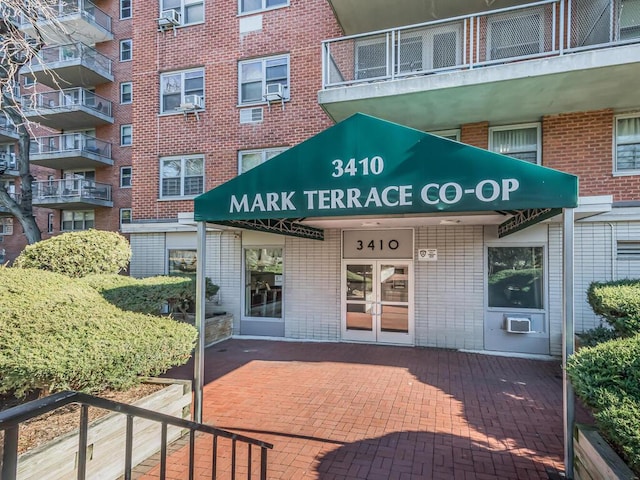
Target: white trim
[(130, 176), (262, 151), (519, 126), (122, 43), (122, 134), (130, 9), (453, 132), (265, 9), (264, 60), (182, 74), (182, 13), (157, 227), (182, 159), (130, 93), (614, 148)]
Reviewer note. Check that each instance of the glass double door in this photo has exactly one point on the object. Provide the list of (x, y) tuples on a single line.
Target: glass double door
[(378, 301)]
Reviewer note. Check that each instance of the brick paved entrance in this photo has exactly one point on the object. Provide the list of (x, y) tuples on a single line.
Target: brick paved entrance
[(345, 411)]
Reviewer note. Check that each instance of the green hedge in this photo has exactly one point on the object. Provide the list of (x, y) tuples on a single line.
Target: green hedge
[(58, 333), (77, 254), (618, 303), (607, 378), (148, 295)]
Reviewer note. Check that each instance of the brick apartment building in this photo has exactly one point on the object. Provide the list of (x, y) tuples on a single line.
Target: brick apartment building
[(221, 88)]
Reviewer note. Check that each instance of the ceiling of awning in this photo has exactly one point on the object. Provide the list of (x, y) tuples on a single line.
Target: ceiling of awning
[(364, 166)]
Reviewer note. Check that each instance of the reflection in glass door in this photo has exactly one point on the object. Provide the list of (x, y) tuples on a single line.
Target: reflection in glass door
[(263, 282), (378, 301)]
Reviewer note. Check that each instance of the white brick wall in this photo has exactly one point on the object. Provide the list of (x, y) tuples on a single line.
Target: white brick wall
[(555, 307), (449, 293), (149, 255), (224, 267), (312, 287)]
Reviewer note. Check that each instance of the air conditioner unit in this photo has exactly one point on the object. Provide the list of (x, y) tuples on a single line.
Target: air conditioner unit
[(518, 324), (273, 92), (169, 18), (192, 102)]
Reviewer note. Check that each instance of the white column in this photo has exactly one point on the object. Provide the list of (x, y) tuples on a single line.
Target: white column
[(198, 364)]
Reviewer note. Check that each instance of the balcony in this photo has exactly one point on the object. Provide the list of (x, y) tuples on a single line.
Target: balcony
[(71, 194), (4, 212), (8, 131), (70, 109), (70, 151), (509, 65), (8, 165), (72, 65), (79, 19)]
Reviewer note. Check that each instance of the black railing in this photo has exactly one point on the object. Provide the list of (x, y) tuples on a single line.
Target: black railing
[(11, 419)]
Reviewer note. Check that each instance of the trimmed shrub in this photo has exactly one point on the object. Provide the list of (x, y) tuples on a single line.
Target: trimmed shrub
[(148, 295), (77, 254), (596, 335), (618, 303), (607, 378), (58, 333)]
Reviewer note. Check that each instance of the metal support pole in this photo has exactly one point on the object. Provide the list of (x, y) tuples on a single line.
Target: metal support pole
[(568, 339), (198, 364)]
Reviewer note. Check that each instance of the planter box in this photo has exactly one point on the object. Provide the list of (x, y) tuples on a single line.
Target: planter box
[(218, 328), (106, 439), (594, 459)]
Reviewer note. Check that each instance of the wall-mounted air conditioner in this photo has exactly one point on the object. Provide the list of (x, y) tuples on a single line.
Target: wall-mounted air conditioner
[(515, 324), (192, 102), (169, 18), (274, 92)]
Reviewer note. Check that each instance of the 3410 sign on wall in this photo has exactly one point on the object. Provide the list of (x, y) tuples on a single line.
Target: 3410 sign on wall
[(377, 244)]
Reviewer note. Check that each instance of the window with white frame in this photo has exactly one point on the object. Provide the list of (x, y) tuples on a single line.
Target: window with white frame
[(125, 216), (29, 81), (126, 174), (248, 159), (126, 50), (450, 134), (181, 176), (50, 220), (74, 220), (256, 74), (126, 135), (247, 6), (189, 11), (126, 92), (517, 141), (627, 144), (8, 155), (174, 86), (6, 226), (125, 9)]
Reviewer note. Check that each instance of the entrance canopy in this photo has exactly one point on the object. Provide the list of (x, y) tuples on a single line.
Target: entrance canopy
[(364, 166)]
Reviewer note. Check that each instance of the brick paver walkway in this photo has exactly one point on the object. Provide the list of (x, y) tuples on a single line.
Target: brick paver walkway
[(344, 411)]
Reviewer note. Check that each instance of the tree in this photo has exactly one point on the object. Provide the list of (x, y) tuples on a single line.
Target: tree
[(16, 51)]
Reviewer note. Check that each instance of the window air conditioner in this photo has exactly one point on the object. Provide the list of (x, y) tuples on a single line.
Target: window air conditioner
[(518, 324), (169, 18), (273, 92), (192, 102)]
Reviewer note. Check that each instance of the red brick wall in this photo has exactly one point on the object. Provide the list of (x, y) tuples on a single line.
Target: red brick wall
[(217, 46), (582, 144), (476, 134)]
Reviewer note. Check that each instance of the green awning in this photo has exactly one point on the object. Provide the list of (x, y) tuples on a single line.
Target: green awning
[(367, 166)]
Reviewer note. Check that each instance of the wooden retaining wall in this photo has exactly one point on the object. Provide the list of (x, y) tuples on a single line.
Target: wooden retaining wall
[(594, 459)]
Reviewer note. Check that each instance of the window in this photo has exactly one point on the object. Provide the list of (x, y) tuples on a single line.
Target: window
[(125, 216), (247, 6), (73, 220), (125, 177), (189, 11), (515, 35), (6, 226), (522, 142), (264, 282), (516, 277), (182, 262), (8, 155), (450, 134), (627, 148), (249, 159), (125, 9), (126, 50), (628, 249), (255, 75), (50, 223), (126, 92), (629, 19), (29, 81), (126, 135), (181, 176), (175, 86)]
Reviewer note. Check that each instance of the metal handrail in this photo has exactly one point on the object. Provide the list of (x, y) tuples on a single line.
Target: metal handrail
[(11, 419)]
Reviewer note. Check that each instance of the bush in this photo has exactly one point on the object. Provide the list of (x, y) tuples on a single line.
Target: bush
[(596, 335), (618, 303), (607, 378), (148, 295), (58, 333), (77, 254)]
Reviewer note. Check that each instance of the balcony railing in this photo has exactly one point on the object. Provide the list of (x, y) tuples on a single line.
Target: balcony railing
[(7, 162), (62, 55), (541, 29), (87, 10), (73, 143), (8, 130), (70, 190), (64, 100)]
